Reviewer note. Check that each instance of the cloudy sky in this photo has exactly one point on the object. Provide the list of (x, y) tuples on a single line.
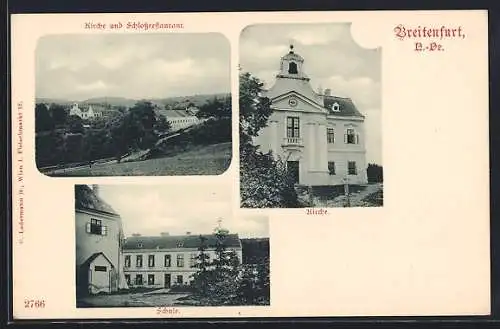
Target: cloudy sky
[(78, 67), (332, 59), (152, 209)]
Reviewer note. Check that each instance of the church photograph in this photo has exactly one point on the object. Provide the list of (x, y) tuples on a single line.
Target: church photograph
[(310, 117)]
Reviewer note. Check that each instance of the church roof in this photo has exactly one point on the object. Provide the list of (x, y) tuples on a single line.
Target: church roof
[(346, 106), (84, 108), (87, 199), (177, 241), (293, 56), (288, 82), (283, 86)]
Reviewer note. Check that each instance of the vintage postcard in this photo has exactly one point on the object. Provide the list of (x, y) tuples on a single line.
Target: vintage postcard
[(238, 165)]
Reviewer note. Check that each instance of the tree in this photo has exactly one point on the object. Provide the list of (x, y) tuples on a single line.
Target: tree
[(43, 120), (263, 289), (375, 173), (217, 108), (254, 109), (75, 124), (73, 147), (121, 109), (264, 180), (217, 282), (201, 277), (139, 128), (162, 125), (59, 114), (225, 271)]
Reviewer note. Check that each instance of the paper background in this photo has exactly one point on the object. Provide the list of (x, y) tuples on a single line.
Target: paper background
[(426, 252)]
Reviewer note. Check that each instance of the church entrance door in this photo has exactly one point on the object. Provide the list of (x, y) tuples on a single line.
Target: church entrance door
[(293, 170)]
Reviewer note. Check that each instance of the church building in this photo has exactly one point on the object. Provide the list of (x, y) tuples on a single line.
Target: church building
[(85, 113), (320, 136)]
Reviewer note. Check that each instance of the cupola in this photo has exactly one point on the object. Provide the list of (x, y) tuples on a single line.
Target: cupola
[(291, 66)]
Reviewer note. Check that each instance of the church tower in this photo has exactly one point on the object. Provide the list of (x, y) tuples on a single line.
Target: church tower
[(291, 66), (291, 77)]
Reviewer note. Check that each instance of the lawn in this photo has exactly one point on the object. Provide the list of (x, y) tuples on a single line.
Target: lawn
[(201, 160)]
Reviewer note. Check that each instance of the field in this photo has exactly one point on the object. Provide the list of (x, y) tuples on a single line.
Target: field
[(201, 160)]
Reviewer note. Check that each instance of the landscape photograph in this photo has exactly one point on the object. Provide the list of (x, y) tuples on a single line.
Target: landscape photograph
[(133, 105)]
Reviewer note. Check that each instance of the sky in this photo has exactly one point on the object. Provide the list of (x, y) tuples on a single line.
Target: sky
[(137, 66), (332, 59), (151, 209)]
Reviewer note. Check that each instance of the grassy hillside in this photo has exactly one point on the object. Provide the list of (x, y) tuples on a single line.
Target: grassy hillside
[(206, 160)]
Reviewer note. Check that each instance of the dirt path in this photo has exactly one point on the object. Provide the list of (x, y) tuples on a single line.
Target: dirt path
[(131, 300), (356, 199)]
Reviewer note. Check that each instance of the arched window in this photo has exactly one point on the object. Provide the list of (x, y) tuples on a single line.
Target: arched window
[(292, 68), (336, 107)]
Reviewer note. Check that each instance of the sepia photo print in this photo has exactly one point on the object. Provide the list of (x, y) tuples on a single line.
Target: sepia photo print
[(310, 104), (133, 104), (139, 245)]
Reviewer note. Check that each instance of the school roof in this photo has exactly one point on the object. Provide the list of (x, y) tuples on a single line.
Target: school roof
[(178, 241), (175, 113), (87, 199)]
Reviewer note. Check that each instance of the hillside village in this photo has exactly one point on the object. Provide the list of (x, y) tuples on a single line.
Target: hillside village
[(71, 135)]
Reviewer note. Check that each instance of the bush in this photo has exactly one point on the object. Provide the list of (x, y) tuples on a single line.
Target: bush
[(264, 181), (182, 288), (375, 173)]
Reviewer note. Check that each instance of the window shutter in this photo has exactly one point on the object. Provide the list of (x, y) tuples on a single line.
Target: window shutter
[(356, 140), (104, 230), (88, 227), (345, 138)]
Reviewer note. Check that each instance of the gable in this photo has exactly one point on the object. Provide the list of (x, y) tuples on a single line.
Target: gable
[(293, 101), (98, 256)]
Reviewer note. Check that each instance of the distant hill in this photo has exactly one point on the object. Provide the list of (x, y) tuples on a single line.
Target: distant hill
[(113, 101), (54, 101), (197, 100)]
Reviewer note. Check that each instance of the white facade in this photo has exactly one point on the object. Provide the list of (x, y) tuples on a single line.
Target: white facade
[(177, 123), (164, 267), (319, 136), (181, 119), (85, 114)]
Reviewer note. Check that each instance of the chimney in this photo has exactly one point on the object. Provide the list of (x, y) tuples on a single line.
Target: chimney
[(328, 92), (95, 188), (136, 234), (164, 234)]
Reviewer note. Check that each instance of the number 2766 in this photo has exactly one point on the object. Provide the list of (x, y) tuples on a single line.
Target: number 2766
[(34, 303)]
